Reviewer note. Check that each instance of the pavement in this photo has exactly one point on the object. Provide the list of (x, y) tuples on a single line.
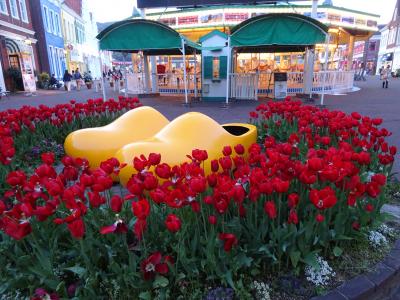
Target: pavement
[(371, 100)]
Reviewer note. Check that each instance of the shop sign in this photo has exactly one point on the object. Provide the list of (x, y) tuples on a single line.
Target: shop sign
[(28, 77), (236, 17), (361, 22), (348, 20), (320, 15), (188, 20), (371, 23), (334, 17), (168, 21), (75, 55), (211, 18)]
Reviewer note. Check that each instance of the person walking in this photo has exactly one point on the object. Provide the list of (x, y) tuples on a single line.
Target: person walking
[(385, 76), (67, 80), (78, 78)]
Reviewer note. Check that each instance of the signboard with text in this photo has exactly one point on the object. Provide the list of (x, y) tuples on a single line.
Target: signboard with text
[(191, 3)]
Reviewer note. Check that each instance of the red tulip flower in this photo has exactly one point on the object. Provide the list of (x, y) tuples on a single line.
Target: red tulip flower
[(153, 265), (77, 228), (324, 198), (270, 209), (239, 149), (116, 203), (229, 240), (118, 227), (141, 209), (173, 223), (227, 150)]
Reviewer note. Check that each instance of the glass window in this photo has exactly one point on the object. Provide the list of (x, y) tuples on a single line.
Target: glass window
[(14, 9), (3, 7), (46, 18), (216, 68), (22, 9), (58, 24), (51, 17), (51, 60)]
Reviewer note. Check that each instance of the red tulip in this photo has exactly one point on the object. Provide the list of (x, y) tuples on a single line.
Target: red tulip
[(214, 165), (227, 150), (270, 209), (173, 223), (154, 159), (198, 184), (153, 265), (118, 227), (139, 228), (293, 200), (77, 228), (239, 149), (116, 203), (320, 218), (212, 219), (141, 209), (163, 171), (199, 155), (48, 158), (293, 218), (229, 240), (324, 198)]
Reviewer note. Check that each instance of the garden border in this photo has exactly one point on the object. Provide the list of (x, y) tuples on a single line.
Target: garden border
[(377, 284)]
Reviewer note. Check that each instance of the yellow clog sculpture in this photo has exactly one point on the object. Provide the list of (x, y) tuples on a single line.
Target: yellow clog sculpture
[(101, 143), (177, 139)]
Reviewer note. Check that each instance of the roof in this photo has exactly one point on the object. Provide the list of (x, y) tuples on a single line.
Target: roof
[(213, 33), (151, 37), (278, 30), (260, 6)]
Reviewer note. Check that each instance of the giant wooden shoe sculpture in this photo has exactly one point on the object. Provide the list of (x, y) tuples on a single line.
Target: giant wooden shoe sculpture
[(101, 143), (177, 139)]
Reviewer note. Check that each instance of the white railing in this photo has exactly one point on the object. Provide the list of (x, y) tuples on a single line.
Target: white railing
[(170, 83), (135, 83), (243, 85)]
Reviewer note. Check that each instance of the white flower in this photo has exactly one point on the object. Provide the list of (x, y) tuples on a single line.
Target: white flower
[(386, 230), (319, 276), (376, 239), (262, 290)]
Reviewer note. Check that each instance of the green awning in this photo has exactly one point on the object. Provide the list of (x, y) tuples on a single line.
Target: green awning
[(151, 37), (278, 30)]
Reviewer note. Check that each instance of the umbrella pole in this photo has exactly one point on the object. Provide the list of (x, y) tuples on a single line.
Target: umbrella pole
[(184, 71), (228, 67), (324, 75)]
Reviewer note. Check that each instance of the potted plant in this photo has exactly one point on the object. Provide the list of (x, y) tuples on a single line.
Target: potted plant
[(15, 76), (43, 81), (87, 77)]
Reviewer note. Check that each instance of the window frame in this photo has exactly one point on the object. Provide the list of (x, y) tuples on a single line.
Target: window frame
[(23, 11), (46, 18), (51, 17), (16, 9), (4, 12)]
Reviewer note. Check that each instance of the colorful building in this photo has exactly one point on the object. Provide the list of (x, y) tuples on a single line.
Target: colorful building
[(74, 34), (389, 50), (17, 46), (46, 17), (346, 26)]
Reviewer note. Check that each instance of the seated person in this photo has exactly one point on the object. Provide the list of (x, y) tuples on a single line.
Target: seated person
[(54, 82)]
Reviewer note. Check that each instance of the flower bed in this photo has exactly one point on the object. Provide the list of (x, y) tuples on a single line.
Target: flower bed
[(310, 186)]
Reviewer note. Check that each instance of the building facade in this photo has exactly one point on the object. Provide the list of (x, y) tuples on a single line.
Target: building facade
[(74, 33), (17, 46), (389, 50), (47, 23), (90, 49)]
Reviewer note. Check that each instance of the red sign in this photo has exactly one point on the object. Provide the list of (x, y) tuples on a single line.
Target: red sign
[(188, 20), (236, 17)]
